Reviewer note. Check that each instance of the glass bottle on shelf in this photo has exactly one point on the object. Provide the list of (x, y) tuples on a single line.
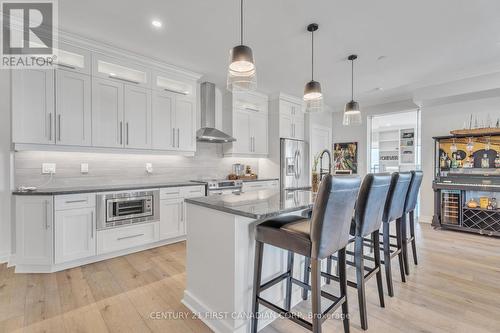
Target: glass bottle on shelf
[(497, 161), (442, 162), (485, 162), (494, 204)]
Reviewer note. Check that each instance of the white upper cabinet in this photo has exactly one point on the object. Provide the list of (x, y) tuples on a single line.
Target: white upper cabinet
[(162, 124), (291, 119), (120, 70), (73, 58), (246, 119), (107, 113), (73, 109), (33, 106), (185, 122), (137, 117)]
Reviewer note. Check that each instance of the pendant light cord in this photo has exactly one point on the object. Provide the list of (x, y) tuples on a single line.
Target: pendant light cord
[(241, 22), (352, 80), (312, 55)]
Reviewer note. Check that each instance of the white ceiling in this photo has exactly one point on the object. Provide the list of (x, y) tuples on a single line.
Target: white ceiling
[(423, 41)]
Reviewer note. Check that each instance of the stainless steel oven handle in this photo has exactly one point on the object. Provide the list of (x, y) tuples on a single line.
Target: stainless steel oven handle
[(92, 224), (132, 236)]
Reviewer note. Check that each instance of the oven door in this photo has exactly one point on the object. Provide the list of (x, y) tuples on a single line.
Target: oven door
[(129, 208)]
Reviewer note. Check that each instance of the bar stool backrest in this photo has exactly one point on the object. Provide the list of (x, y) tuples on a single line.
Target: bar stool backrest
[(412, 196), (332, 214), (395, 203), (370, 204)]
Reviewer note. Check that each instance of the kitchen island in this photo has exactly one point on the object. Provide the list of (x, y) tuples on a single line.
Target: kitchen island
[(220, 255)]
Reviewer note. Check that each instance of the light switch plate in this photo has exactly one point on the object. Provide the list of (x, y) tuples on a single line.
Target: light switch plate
[(84, 168), (48, 168), (149, 167)]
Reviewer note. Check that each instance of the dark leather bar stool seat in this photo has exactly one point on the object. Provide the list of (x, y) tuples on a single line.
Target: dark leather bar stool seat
[(409, 209), (325, 233), (367, 221), (393, 213)]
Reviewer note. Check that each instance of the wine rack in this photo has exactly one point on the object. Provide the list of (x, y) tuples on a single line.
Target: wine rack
[(451, 207), (483, 221)]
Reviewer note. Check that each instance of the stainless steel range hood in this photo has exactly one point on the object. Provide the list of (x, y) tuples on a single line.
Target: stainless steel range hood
[(208, 132)]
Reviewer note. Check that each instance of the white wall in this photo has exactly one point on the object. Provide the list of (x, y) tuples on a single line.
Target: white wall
[(435, 121), (5, 158)]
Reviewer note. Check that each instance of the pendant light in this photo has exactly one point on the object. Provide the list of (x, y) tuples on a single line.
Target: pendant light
[(312, 91), (352, 114), (241, 73)]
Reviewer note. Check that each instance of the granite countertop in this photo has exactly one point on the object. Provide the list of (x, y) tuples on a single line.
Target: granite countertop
[(102, 188), (258, 205)]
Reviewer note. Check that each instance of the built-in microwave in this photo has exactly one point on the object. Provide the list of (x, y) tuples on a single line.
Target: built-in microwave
[(127, 207)]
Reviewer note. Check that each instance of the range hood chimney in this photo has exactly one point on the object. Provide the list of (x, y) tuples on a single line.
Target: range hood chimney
[(208, 132)]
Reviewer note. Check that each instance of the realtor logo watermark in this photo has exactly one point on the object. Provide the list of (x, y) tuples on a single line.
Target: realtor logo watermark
[(29, 34)]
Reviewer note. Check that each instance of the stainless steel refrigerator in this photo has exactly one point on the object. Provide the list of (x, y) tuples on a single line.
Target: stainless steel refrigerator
[(294, 164)]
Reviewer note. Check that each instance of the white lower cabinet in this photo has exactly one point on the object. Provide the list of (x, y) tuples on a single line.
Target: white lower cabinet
[(122, 238), (34, 216), (172, 218), (75, 234), (260, 185)]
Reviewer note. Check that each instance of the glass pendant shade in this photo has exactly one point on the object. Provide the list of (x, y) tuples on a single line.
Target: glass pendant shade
[(352, 114), (313, 97), (241, 74)]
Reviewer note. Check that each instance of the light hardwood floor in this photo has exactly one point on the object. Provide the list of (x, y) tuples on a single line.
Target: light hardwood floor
[(455, 288)]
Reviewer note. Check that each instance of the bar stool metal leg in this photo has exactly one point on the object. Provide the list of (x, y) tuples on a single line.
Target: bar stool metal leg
[(288, 299), (307, 264), (316, 294), (259, 249), (399, 239), (376, 254), (360, 275), (341, 264), (412, 235), (387, 259), (404, 243)]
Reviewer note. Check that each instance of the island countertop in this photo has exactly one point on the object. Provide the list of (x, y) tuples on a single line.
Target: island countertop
[(258, 205)]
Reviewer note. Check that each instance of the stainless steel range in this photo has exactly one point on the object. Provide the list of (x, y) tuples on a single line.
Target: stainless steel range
[(221, 186), (127, 207)]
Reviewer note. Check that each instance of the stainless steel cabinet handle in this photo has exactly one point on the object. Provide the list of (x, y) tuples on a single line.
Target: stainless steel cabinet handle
[(252, 109), (132, 236), (173, 137), (121, 132), (66, 66), (59, 127), (122, 79), (50, 126), (92, 224), (75, 201), (127, 132)]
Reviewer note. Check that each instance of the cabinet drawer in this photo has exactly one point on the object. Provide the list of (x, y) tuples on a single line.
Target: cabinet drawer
[(72, 201), (193, 191), (170, 193), (126, 237)]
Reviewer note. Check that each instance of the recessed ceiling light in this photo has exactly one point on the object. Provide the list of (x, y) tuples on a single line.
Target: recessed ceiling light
[(157, 24), (379, 89)]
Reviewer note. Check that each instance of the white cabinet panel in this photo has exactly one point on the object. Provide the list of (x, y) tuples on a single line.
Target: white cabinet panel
[(258, 128), (185, 122), (137, 117), (241, 132), (33, 106), (116, 239), (286, 126), (163, 132), (298, 128), (75, 232), (171, 218), (73, 109), (34, 230), (107, 113)]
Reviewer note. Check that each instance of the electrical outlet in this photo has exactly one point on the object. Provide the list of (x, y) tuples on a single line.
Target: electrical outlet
[(149, 167), (84, 168), (48, 168)]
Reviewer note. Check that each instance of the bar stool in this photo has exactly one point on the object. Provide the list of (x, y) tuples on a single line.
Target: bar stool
[(367, 221), (393, 212), (325, 233), (410, 205)]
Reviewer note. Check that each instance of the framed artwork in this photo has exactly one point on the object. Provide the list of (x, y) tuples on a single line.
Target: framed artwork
[(345, 157)]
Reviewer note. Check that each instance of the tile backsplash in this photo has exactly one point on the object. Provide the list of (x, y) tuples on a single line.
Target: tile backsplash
[(120, 169)]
